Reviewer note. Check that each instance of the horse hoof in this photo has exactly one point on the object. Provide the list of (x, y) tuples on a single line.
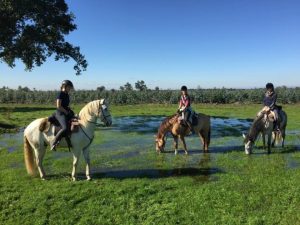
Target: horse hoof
[(74, 179), (186, 153), (88, 178), (176, 152)]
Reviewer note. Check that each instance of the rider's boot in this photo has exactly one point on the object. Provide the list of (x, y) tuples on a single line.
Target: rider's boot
[(190, 126)]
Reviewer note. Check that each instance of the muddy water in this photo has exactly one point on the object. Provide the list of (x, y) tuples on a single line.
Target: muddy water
[(127, 149)]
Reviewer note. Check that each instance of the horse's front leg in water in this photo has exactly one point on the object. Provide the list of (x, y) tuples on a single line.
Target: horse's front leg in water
[(269, 143), (263, 135), (76, 155), (184, 144), (175, 144)]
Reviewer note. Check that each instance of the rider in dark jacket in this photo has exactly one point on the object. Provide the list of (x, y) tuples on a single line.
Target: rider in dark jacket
[(270, 103), (63, 111)]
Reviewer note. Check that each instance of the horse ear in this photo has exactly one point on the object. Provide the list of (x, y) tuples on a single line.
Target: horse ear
[(244, 136), (102, 101)]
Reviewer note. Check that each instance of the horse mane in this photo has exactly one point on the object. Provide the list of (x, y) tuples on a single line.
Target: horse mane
[(165, 125), (88, 110), (255, 128)]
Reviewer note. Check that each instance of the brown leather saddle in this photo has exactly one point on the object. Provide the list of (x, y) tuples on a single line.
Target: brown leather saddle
[(72, 127)]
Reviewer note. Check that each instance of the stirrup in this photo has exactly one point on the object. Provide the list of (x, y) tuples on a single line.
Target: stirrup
[(53, 147)]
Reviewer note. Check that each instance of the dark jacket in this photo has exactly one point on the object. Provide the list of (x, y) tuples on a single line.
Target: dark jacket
[(270, 100)]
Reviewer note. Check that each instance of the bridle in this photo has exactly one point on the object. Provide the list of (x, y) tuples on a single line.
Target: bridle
[(100, 108)]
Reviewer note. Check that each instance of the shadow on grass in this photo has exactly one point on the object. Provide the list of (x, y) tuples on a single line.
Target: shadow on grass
[(214, 149), (239, 148), (201, 174), (260, 150)]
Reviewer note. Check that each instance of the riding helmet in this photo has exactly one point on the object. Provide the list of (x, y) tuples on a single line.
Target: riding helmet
[(68, 83), (269, 86), (184, 88)]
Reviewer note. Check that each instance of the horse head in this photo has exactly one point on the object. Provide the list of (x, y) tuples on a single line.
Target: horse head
[(104, 113), (96, 109), (160, 144), (249, 143)]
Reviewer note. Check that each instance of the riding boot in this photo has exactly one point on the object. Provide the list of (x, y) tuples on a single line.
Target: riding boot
[(53, 146), (190, 126), (57, 139)]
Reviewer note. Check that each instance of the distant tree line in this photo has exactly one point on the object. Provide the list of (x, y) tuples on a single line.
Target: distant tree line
[(141, 94)]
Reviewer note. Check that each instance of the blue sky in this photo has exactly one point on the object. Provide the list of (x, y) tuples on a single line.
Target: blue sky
[(168, 43)]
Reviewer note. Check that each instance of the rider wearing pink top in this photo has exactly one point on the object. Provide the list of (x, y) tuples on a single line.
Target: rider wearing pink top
[(185, 106)]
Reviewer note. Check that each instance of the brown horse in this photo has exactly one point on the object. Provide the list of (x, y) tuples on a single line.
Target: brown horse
[(173, 125)]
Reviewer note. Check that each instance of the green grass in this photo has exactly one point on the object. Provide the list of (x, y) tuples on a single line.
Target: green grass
[(227, 188)]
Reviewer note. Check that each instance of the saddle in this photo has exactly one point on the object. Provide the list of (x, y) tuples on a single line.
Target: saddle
[(280, 116), (72, 127), (193, 119)]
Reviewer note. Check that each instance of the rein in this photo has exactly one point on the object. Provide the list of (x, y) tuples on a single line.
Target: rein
[(92, 138)]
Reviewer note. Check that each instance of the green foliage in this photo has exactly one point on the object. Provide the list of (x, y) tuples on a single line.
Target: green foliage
[(145, 96), (32, 31), (140, 85)]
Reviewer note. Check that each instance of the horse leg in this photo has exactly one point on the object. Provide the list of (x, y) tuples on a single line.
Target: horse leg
[(282, 138), (263, 139), (76, 156), (274, 136), (269, 143), (175, 144), (86, 154), (204, 137), (184, 144), (39, 155)]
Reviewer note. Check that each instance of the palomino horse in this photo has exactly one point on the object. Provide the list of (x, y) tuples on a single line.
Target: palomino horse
[(264, 124), (40, 133), (173, 125)]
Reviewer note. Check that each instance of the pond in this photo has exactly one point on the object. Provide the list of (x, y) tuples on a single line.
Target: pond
[(127, 149)]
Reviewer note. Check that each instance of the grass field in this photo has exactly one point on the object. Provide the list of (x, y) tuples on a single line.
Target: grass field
[(134, 185)]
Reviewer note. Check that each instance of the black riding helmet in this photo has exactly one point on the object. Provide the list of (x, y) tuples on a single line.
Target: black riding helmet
[(270, 86), (183, 88), (68, 83)]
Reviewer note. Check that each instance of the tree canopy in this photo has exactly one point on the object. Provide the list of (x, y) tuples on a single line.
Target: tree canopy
[(32, 31)]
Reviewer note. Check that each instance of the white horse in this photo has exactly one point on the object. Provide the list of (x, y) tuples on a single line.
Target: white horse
[(264, 124), (40, 133)]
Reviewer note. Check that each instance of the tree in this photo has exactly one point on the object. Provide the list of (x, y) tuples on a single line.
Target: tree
[(101, 88), (140, 85), (32, 31), (128, 87)]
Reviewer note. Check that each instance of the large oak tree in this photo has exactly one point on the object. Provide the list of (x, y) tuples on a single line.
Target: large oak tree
[(33, 30)]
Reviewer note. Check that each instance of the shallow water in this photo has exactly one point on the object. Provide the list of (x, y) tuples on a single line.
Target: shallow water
[(139, 124), (127, 149)]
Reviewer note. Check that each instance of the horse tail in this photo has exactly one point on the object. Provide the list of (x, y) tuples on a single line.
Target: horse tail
[(278, 137), (29, 157)]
